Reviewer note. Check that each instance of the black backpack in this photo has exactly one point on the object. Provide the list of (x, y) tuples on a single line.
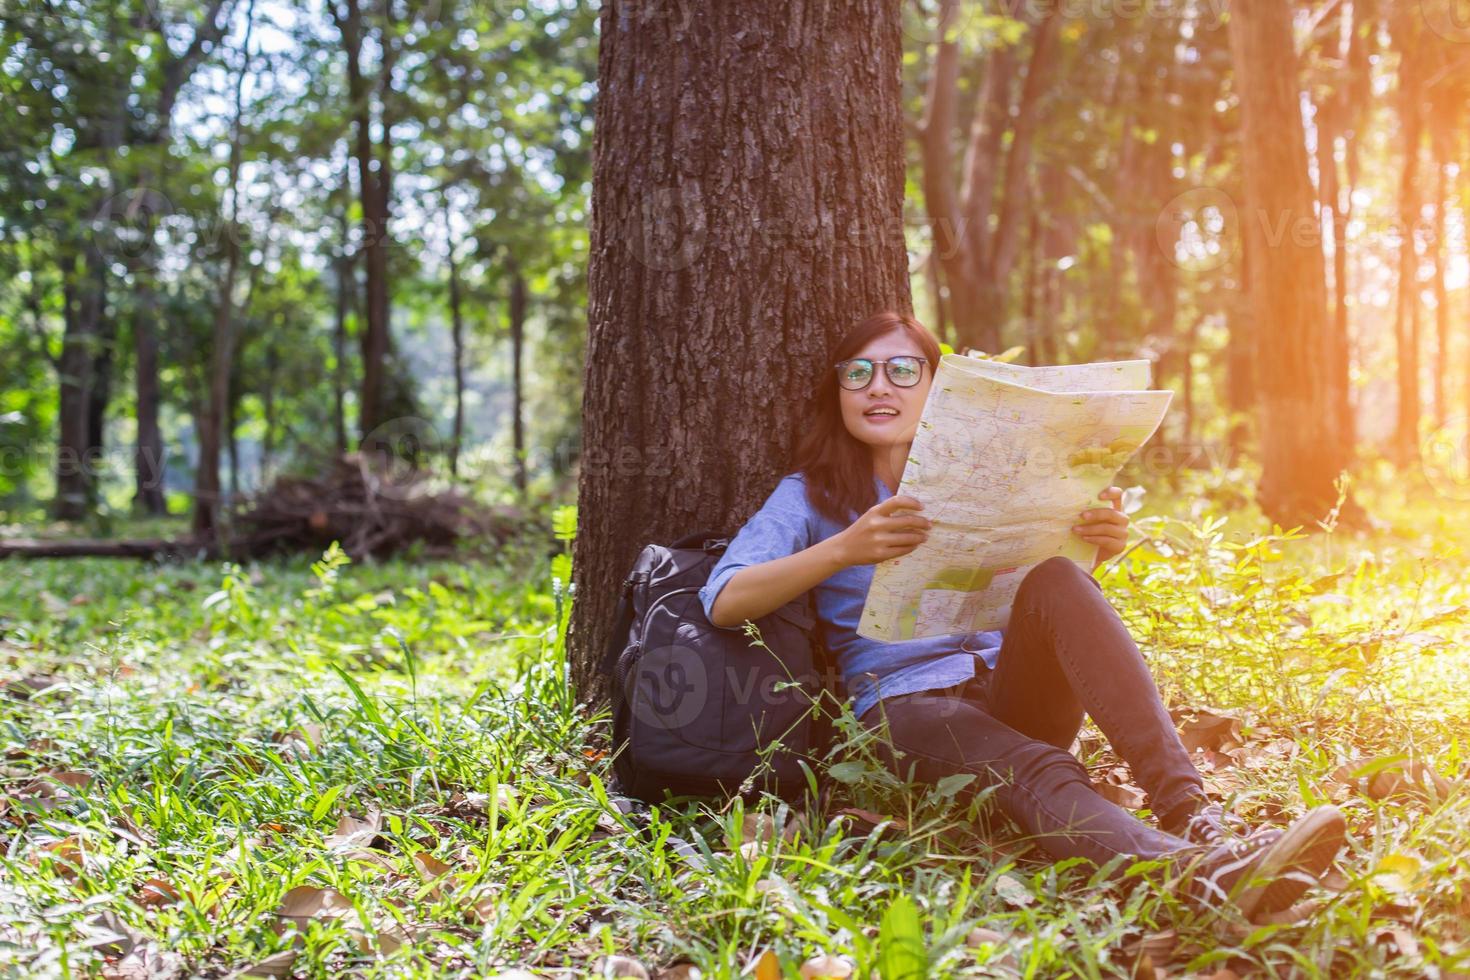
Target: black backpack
[(696, 706)]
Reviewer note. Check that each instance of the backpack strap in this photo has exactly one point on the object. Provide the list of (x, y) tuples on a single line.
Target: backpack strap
[(701, 541), (622, 623)]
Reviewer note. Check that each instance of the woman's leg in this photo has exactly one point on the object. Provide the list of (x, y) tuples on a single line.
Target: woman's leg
[(1066, 652), (1042, 787)]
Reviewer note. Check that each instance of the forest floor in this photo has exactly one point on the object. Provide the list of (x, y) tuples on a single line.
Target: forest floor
[(378, 769)]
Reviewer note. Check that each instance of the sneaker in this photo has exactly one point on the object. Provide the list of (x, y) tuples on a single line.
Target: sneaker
[(1267, 871), (1212, 825)]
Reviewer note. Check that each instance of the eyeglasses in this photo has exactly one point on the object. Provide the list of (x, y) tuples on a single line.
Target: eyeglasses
[(857, 373)]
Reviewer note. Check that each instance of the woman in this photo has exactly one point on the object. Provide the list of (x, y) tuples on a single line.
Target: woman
[(1006, 705)]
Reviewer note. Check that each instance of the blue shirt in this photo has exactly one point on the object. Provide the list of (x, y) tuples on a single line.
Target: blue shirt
[(871, 669)]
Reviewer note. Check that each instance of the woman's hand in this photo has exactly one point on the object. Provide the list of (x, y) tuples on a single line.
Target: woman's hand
[(1105, 527), (881, 533)]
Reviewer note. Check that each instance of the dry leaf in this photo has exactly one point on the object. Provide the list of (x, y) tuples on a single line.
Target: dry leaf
[(354, 832), (110, 934), (622, 966), (156, 893), (680, 971), (1388, 780), (823, 967), (145, 962), (67, 853), (274, 965), (1290, 916), (1126, 795), (1399, 872), (1207, 729), (1144, 954), (1402, 940), (1012, 892), (27, 686), (306, 902), (298, 742), (763, 966)]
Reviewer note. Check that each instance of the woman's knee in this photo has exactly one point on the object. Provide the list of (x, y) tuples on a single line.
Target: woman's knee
[(1056, 576)]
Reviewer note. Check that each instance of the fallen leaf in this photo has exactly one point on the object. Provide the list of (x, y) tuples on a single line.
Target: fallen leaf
[(1399, 872), (1012, 892), (306, 902), (298, 742), (145, 962), (763, 966), (622, 966), (979, 936), (1402, 940), (824, 967), (67, 853), (1144, 954), (274, 965), (1126, 795), (353, 831), (680, 971), (1207, 729), (27, 686), (108, 933), (1393, 778), (156, 893)]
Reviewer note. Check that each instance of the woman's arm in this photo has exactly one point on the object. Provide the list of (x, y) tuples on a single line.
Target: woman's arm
[(757, 590), (888, 530)]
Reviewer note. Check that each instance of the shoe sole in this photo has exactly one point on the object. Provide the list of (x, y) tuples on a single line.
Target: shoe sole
[(1293, 864)]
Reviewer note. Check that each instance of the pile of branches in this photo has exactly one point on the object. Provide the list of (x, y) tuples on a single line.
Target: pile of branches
[(371, 507)]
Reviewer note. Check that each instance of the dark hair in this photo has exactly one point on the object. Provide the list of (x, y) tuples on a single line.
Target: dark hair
[(839, 468)]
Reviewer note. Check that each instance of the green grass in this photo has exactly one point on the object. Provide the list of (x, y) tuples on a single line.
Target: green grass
[(193, 735)]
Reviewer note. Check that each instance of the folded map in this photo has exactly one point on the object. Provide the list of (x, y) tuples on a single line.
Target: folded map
[(1005, 459)]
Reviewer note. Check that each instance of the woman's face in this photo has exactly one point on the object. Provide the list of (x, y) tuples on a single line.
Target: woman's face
[(883, 414)]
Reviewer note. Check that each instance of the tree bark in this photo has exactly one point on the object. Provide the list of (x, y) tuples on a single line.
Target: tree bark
[(346, 287), (375, 182), (1302, 450), (1440, 249), (75, 460), (148, 491), (747, 211), (517, 386), (456, 321), (212, 417), (1406, 312)]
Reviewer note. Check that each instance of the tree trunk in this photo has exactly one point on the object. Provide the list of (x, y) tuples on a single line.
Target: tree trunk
[(978, 228), (346, 285), (1333, 209), (75, 463), (222, 352), (517, 387), (739, 225), (456, 322), (375, 189), (1406, 312), (100, 392), (1302, 450), (1441, 288), (148, 492)]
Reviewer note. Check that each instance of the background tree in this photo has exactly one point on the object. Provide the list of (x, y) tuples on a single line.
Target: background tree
[(1301, 458)]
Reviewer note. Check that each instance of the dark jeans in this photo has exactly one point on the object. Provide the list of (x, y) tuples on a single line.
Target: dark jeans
[(1065, 652)]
